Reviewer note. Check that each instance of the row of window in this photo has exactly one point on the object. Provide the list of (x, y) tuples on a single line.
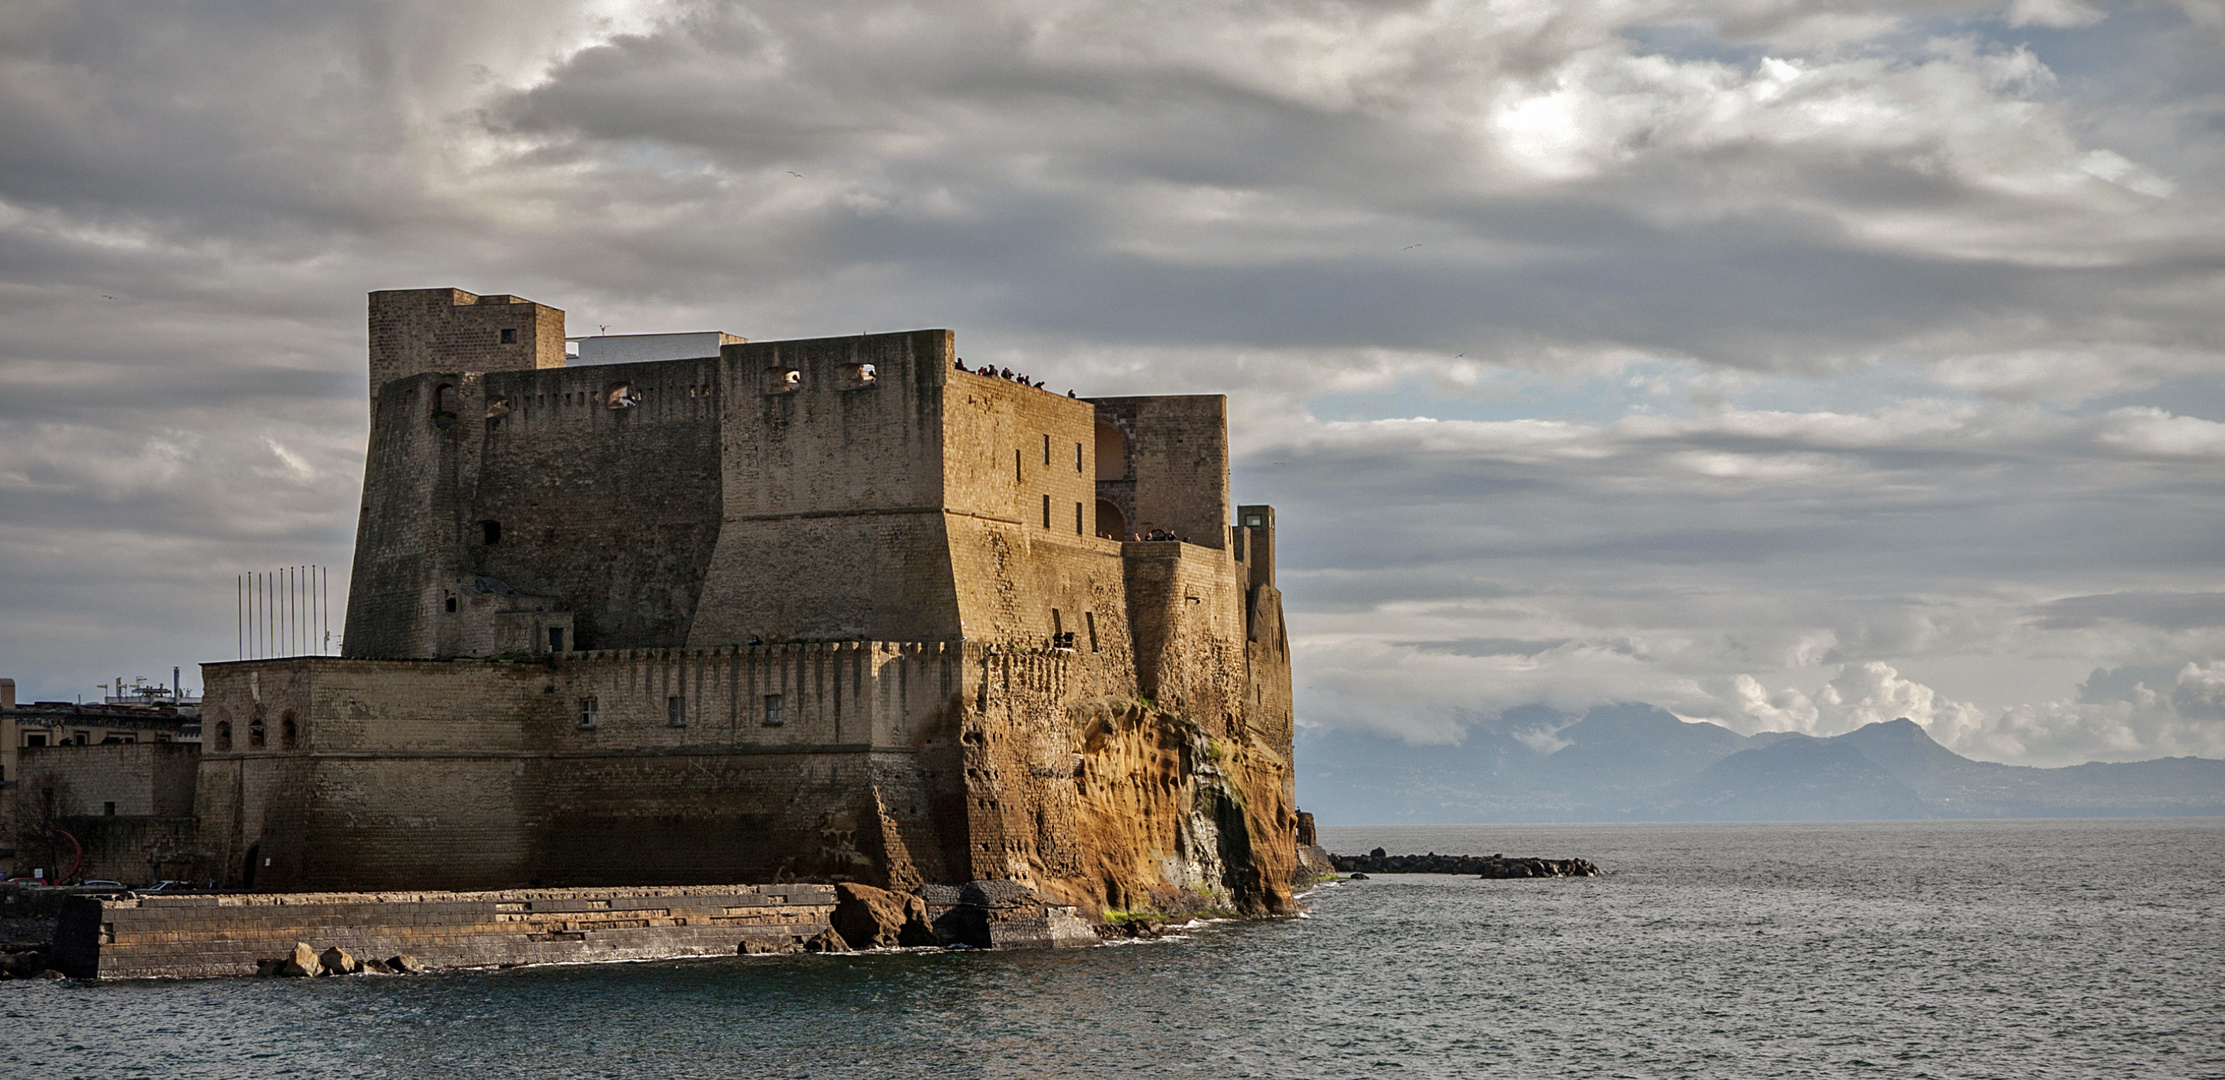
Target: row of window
[(83, 737), (676, 711), (258, 737)]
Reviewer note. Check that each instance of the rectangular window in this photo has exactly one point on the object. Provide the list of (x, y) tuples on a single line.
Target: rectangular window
[(773, 716), (587, 712), (1046, 449), (1077, 457), (675, 712), (34, 738), (509, 337), (1016, 465), (108, 809), (1077, 519), (1046, 511), (1089, 623), (556, 639)]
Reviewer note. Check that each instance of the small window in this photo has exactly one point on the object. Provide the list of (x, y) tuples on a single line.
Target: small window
[(1089, 623), (81, 738), (675, 712), (1077, 457), (587, 712), (556, 639), (510, 336), (451, 605), (773, 715), (859, 376), (1046, 449), (783, 380), (490, 532), (1046, 511), (38, 738), (1077, 519), (1016, 465), (1254, 520), (224, 734), (257, 735), (108, 809), (288, 732)]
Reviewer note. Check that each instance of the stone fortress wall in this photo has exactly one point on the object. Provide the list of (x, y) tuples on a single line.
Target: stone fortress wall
[(806, 610)]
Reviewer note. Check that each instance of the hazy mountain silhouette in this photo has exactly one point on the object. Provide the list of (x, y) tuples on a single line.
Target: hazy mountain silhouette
[(1797, 779), (1635, 762)]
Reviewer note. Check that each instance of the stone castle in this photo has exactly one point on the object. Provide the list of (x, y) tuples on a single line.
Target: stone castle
[(817, 610)]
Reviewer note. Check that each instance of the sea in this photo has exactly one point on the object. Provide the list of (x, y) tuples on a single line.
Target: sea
[(2007, 949)]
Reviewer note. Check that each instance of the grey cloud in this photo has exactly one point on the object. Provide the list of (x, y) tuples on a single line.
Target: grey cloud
[(2166, 610)]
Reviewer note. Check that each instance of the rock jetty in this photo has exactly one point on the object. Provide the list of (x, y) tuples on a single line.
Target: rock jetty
[(1489, 866)]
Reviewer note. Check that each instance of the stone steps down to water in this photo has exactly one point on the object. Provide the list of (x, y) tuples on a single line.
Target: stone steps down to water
[(1490, 866)]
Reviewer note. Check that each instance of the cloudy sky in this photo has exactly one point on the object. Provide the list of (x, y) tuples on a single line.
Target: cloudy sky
[(1786, 365)]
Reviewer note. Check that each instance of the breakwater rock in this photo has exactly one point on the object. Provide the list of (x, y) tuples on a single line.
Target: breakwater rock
[(1490, 866)]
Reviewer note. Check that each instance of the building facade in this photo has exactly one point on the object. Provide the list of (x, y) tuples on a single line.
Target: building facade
[(824, 609)]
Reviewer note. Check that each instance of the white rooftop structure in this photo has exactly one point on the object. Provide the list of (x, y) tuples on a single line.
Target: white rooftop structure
[(643, 348)]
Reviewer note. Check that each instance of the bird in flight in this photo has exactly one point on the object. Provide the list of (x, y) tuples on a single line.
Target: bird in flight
[(1409, 247), (795, 174)]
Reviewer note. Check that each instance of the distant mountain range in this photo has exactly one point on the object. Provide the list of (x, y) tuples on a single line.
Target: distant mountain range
[(1639, 763)]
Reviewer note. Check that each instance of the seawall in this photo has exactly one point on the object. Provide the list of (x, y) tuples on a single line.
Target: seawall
[(122, 937)]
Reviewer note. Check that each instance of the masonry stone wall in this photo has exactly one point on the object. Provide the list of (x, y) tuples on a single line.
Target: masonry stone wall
[(1176, 477), (137, 779), (201, 936), (419, 330)]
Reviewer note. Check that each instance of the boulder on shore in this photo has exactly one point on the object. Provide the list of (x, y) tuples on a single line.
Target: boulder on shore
[(302, 963), (828, 941), (405, 964), (339, 961)]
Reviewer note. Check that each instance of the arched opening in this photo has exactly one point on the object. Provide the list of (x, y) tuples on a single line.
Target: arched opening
[(288, 731), (257, 736), (1112, 453), (1110, 524), (224, 734)]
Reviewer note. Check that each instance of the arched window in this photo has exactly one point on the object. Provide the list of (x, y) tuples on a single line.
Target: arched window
[(1110, 523), (288, 732), (1112, 453), (224, 734), (256, 735)]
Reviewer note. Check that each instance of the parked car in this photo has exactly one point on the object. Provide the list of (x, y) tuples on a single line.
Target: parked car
[(170, 887), (103, 883)]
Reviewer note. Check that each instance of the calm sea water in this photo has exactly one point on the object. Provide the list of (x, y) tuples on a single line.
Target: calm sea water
[(1962, 949)]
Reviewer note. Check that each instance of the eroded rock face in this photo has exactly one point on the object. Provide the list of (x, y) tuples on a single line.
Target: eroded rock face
[(1132, 807), (870, 918)]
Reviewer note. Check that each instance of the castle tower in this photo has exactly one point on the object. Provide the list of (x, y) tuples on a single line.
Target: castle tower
[(419, 330)]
